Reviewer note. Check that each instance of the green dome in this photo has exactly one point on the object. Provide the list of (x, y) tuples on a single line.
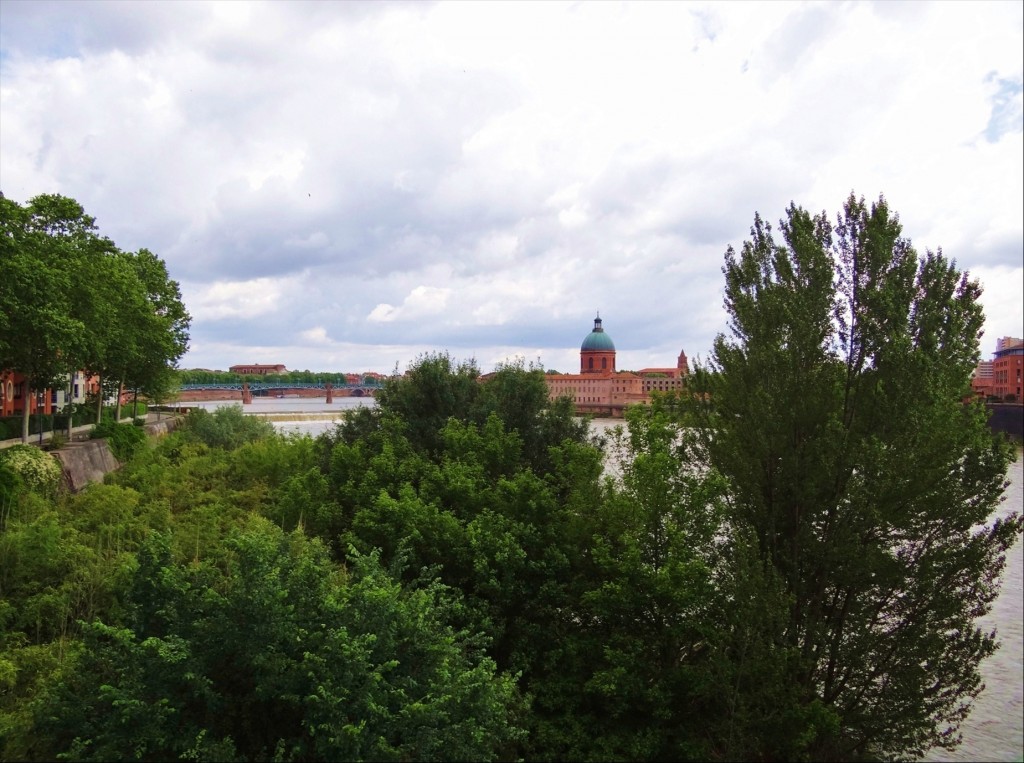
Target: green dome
[(597, 340)]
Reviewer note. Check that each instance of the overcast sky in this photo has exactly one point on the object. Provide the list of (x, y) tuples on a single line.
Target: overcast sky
[(343, 186)]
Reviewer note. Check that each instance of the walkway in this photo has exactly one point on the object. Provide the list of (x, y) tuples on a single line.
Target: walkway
[(80, 433)]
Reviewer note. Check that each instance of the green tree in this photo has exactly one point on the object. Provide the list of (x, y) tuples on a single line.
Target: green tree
[(433, 390), (227, 427), (71, 300), (158, 324), (518, 395), (630, 676), (440, 474), (277, 653), (41, 335), (860, 490)]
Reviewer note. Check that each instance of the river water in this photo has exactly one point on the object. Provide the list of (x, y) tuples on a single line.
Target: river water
[(995, 729)]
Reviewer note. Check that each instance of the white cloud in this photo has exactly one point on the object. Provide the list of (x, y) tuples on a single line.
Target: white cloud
[(422, 302), (315, 335), (483, 177), (241, 299)]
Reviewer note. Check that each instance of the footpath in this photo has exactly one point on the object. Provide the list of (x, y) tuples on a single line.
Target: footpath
[(81, 433)]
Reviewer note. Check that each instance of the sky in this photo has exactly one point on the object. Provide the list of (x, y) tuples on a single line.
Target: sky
[(344, 186)]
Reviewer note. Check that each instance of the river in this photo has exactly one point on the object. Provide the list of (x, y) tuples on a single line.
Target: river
[(995, 729)]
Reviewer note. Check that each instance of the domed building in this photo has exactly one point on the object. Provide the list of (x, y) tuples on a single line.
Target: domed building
[(600, 389), (597, 353)]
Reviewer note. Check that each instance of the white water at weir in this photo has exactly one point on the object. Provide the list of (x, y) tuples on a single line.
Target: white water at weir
[(995, 729)]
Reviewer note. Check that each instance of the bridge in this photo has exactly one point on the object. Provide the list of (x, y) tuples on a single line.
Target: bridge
[(263, 388)]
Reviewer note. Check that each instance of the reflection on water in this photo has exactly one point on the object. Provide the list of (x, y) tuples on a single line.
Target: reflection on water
[(995, 729)]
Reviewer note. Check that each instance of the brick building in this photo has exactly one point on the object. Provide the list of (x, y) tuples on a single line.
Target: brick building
[(256, 369), (600, 389), (14, 393), (1001, 377)]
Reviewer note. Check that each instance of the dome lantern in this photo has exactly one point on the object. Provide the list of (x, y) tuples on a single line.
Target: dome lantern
[(597, 353)]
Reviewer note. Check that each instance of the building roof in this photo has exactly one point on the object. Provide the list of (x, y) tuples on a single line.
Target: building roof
[(1009, 345), (597, 340)]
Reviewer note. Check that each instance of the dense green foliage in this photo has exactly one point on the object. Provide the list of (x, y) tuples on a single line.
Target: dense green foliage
[(122, 439), (859, 486), (461, 572), (70, 300), (227, 427)]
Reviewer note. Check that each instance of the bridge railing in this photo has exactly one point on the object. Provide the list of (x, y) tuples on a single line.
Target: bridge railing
[(261, 386)]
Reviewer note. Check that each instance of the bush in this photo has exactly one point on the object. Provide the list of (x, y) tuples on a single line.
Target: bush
[(38, 471), (11, 486), (57, 441), (227, 427), (124, 439)]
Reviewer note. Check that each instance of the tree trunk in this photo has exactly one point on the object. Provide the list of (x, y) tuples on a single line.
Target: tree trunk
[(70, 405), (99, 401), (27, 399), (117, 405)]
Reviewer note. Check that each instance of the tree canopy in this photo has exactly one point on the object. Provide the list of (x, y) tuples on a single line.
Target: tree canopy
[(859, 485), (73, 301)]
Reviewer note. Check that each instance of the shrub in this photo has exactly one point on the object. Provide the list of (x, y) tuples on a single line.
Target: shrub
[(124, 439), (227, 427), (57, 441), (11, 486), (39, 471)]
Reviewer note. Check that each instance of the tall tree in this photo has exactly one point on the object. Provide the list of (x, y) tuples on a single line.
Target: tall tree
[(162, 327), (40, 333), (860, 489)]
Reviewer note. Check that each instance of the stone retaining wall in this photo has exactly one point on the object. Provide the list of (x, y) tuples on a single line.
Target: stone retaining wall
[(88, 461), (85, 462)]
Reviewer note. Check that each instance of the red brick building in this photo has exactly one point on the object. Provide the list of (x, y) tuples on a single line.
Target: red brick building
[(600, 389), (14, 392), (257, 369), (1001, 376)]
